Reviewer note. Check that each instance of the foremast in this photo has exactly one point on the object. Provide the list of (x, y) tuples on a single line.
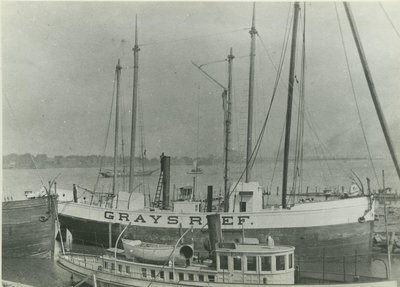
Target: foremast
[(253, 33), (136, 50), (289, 104)]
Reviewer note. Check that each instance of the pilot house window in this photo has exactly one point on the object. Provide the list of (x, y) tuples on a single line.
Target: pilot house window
[(223, 262), (265, 263), (280, 262), (237, 263), (251, 263)]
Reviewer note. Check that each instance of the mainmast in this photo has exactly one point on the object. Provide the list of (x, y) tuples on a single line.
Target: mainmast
[(371, 86), (228, 120), (253, 33), (118, 73), (289, 103), (134, 106)]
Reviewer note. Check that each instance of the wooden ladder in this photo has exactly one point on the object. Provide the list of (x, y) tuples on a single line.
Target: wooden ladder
[(157, 197)]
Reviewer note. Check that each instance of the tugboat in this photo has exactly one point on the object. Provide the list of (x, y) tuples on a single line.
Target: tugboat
[(245, 263), (232, 262)]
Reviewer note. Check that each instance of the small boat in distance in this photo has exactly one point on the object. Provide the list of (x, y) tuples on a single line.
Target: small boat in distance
[(107, 173), (196, 169)]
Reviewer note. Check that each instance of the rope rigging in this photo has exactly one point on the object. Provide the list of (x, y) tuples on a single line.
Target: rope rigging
[(107, 133), (390, 21), (355, 96), (279, 71)]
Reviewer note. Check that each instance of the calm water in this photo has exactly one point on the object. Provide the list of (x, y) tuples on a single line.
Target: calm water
[(317, 176)]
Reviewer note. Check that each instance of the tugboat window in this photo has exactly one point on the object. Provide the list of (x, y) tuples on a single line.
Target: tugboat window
[(153, 273), (112, 266), (201, 277), (127, 269), (144, 272), (171, 276), (280, 262), (191, 277), (119, 268), (251, 263), (211, 278), (223, 262), (162, 274), (290, 261), (265, 263), (237, 263), (105, 265), (180, 276)]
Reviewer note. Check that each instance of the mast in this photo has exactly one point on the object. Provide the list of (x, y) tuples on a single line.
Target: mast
[(118, 73), (228, 116), (142, 154), (289, 103), (371, 86), (134, 107), (253, 33)]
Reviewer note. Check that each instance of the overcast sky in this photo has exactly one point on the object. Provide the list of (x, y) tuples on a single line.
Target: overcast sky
[(58, 65)]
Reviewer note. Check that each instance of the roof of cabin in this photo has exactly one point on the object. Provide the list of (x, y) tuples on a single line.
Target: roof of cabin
[(257, 249)]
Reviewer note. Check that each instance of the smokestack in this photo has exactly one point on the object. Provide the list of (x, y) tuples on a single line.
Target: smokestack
[(214, 231), (165, 168), (209, 198)]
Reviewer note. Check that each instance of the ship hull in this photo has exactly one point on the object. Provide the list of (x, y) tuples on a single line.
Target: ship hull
[(309, 241), (27, 229), (321, 229)]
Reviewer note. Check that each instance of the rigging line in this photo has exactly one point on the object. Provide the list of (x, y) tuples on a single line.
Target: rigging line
[(107, 134), (322, 146), (287, 30), (279, 71), (19, 129), (313, 137), (191, 38), (355, 96), (258, 143), (390, 21), (277, 155)]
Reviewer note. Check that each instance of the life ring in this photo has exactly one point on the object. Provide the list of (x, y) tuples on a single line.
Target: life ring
[(361, 219)]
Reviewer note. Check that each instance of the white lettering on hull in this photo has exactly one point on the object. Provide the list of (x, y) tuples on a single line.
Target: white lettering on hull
[(156, 219)]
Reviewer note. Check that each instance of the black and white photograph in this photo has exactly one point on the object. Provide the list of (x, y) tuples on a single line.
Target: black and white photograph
[(200, 143)]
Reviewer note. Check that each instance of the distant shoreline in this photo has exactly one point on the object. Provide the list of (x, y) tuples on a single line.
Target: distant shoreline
[(42, 161)]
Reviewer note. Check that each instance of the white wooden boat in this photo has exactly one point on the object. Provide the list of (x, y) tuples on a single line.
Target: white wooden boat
[(152, 252)]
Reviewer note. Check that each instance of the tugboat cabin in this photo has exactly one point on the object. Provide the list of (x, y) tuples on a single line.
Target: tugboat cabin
[(240, 264), (255, 264)]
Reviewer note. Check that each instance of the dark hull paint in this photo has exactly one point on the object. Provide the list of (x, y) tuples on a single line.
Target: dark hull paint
[(310, 242), (27, 228)]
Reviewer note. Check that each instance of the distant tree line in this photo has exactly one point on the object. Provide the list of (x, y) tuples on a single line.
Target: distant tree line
[(26, 161), (69, 161)]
